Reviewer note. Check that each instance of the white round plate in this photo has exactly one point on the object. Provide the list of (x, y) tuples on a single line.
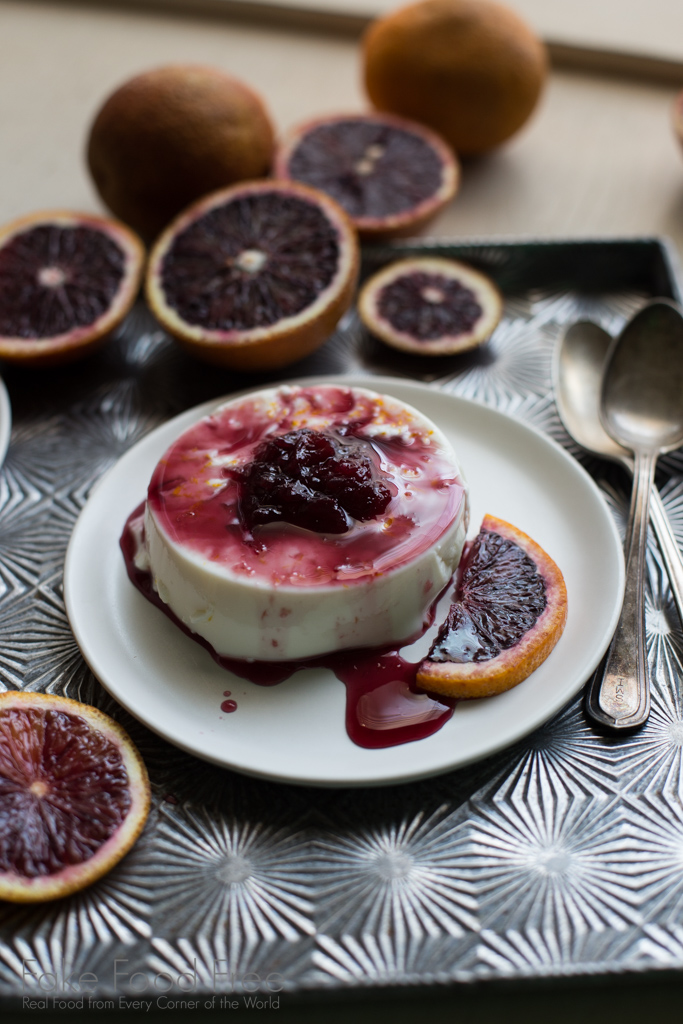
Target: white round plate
[(295, 732), (5, 421)]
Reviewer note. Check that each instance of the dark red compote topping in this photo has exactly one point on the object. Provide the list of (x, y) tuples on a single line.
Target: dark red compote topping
[(217, 478), (312, 479)]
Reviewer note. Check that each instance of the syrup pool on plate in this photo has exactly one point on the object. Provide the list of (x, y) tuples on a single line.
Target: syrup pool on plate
[(383, 706)]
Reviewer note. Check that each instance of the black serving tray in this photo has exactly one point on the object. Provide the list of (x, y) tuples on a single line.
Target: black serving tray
[(558, 857)]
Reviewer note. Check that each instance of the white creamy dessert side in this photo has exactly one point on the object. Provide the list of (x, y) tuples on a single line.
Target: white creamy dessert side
[(298, 521)]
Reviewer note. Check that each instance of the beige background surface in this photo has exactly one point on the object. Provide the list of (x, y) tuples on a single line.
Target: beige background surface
[(598, 158), (638, 26), (641, 38)]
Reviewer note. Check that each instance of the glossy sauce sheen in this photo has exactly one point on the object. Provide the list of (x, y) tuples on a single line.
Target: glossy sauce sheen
[(383, 706), (195, 499)]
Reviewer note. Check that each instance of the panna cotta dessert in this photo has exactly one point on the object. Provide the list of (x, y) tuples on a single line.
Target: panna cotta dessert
[(303, 520)]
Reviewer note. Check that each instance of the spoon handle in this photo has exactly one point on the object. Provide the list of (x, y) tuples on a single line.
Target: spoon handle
[(619, 693), (666, 542)]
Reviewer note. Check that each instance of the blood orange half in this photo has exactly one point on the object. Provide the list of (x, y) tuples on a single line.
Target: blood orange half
[(74, 795), (67, 280), (392, 176), (255, 276), (430, 306), (509, 611)]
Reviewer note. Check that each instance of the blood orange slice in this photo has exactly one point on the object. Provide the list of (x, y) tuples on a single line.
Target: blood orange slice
[(74, 796), (392, 176), (255, 276), (509, 611), (430, 306), (67, 280)]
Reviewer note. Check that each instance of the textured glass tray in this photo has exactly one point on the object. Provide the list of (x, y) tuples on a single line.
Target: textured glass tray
[(560, 856)]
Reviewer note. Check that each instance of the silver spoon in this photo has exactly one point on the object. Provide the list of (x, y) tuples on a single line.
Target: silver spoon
[(578, 370), (641, 409)]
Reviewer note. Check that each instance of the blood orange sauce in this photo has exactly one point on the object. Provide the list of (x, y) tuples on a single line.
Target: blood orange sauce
[(383, 706), (194, 494)]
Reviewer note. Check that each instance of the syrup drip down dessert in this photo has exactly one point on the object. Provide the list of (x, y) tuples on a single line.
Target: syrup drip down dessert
[(308, 525)]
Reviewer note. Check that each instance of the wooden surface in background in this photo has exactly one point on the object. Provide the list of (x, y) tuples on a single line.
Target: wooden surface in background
[(598, 158)]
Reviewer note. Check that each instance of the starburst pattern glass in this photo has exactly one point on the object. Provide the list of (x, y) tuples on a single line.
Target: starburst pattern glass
[(562, 855)]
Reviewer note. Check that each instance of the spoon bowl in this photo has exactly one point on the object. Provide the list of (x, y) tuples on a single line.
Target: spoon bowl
[(578, 365), (642, 393), (641, 409), (579, 362)]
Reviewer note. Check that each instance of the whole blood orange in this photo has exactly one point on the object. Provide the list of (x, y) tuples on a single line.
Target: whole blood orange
[(256, 276), (169, 136), (470, 69), (74, 795), (392, 176), (67, 280), (430, 306), (509, 611)]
